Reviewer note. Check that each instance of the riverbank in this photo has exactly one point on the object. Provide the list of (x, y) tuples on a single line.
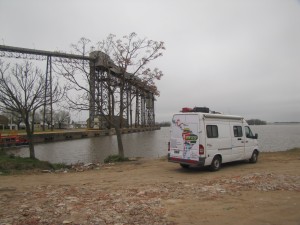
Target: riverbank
[(15, 138), (158, 192)]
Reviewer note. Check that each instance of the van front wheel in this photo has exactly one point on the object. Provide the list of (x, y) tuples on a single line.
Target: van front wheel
[(216, 163), (254, 157)]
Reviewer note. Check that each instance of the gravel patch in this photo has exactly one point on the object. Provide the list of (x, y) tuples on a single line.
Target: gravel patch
[(138, 204)]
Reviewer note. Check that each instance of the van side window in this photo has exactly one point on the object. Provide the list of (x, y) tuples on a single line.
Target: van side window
[(248, 132), (212, 131), (237, 131)]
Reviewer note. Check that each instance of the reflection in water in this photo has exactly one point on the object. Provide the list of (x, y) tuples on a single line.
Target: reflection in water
[(150, 144), (145, 144)]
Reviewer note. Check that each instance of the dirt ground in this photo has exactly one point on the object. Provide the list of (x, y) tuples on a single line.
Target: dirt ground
[(158, 192)]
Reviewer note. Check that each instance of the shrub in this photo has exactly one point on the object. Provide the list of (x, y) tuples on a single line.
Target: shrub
[(9, 163), (115, 158)]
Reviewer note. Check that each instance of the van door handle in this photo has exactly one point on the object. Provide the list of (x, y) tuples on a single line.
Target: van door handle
[(239, 139)]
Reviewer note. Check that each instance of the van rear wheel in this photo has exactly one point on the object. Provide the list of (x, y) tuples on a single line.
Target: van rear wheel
[(216, 163)]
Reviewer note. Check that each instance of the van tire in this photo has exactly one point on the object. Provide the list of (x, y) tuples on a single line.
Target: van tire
[(185, 166), (216, 163), (254, 157)]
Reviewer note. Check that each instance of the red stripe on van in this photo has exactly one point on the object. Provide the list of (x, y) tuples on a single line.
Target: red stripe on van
[(183, 160)]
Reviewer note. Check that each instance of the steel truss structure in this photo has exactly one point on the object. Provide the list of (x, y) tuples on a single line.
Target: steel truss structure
[(105, 91)]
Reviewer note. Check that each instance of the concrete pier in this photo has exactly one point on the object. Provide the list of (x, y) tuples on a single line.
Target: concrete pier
[(70, 134)]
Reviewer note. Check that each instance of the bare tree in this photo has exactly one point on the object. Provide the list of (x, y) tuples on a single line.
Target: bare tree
[(129, 56), (14, 117), (22, 91), (47, 119), (62, 117)]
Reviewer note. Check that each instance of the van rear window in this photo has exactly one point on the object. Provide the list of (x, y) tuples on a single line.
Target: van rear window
[(212, 131)]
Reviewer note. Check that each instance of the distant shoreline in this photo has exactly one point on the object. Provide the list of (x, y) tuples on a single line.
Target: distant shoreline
[(278, 123)]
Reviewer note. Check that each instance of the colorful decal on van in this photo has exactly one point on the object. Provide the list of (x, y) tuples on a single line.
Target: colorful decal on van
[(179, 124), (189, 139)]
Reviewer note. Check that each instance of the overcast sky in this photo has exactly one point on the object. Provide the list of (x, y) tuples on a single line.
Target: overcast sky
[(240, 57)]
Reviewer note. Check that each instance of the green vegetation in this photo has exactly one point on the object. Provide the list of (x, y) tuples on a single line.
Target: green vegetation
[(12, 163), (115, 158)]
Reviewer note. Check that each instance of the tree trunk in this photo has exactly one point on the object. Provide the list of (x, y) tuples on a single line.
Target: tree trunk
[(119, 126), (121, 106), (115, 125), (31, 148), (30, 140), (120, 143), (18, 124)]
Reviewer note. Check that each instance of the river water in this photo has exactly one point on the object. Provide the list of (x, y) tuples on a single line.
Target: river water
[(150, 144)]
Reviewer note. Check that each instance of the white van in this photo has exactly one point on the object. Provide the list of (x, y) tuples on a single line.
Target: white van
[(210, 139)]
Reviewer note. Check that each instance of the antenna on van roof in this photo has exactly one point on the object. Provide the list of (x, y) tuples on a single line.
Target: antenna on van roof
[(214, 112), (196, 109), (201, 109)]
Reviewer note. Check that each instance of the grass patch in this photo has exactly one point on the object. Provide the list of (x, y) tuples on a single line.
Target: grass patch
[(115, 158), (12, 163)]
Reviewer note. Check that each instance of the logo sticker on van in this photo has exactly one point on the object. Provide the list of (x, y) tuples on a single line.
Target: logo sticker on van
[(189, 140), (188, 137)]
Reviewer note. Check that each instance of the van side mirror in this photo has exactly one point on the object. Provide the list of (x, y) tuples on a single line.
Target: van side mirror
[(256, 136)]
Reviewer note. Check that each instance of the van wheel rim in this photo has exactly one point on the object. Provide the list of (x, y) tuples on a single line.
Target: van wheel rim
[(254, 157), (217, 163)]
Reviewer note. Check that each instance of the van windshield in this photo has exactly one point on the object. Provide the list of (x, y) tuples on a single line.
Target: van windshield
[(248, 132)]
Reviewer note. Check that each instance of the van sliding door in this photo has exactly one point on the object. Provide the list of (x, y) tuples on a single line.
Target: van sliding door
[(238, 142)]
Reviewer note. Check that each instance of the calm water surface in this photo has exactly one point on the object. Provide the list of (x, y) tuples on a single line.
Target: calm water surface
[(277, 137), (151, 144)]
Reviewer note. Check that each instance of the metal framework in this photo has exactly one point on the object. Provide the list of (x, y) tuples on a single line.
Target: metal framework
[(105, 88)]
